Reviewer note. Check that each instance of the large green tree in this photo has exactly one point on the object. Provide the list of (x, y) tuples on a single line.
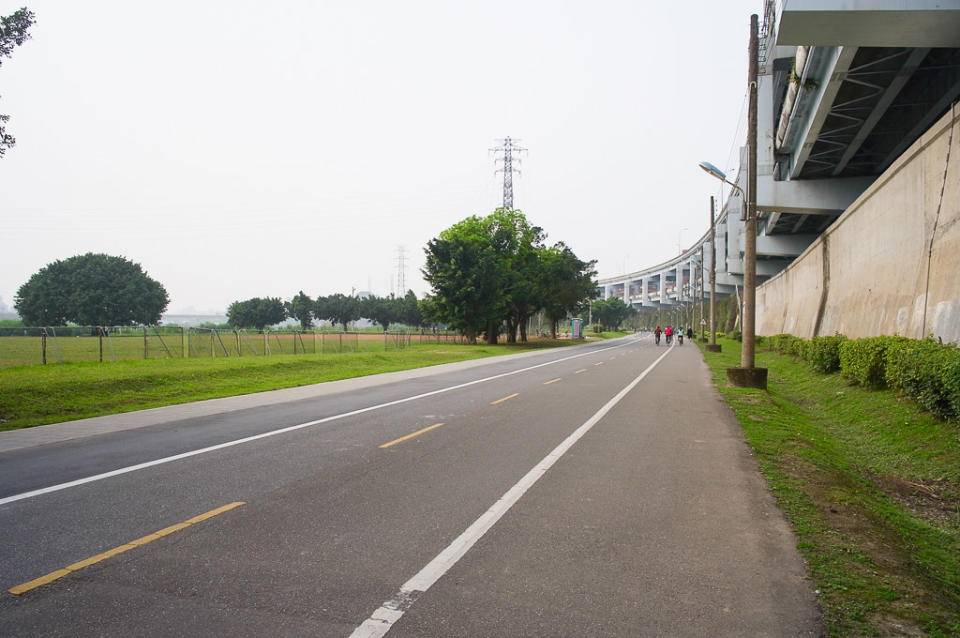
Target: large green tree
[(380, 310), (91, 290), (517, 243), (495, 271), (13, 33), (612, 312), (409, 308), (465, 271), (566, 283), (258, 312), (301, 308), (338, 308)]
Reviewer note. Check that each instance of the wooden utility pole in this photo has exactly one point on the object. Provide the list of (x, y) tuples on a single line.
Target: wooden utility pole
[(750, 241), (748, 376)]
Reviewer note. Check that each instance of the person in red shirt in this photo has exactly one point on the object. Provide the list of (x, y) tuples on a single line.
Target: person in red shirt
[(656, 334), (668, 331)]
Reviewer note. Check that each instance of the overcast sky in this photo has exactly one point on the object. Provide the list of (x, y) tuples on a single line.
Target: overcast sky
[(242, 149)]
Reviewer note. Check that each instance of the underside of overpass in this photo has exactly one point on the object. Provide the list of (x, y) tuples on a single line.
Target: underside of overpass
[(845, 87)]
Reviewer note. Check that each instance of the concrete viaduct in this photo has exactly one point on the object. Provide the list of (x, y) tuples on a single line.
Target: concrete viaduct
[(857, 175)]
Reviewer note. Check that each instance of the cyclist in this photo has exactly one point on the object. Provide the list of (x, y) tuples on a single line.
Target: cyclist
[(668, 332)]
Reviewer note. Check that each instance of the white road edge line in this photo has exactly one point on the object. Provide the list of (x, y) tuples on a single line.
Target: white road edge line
[(380, 622), (300, 426)]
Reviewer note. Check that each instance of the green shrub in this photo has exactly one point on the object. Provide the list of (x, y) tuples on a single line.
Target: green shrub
[(782, 343), (823, 353), (799, 347), (927, 372), (864, 361)]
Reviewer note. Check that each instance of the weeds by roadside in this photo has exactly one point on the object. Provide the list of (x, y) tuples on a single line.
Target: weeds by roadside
[(871, 485)]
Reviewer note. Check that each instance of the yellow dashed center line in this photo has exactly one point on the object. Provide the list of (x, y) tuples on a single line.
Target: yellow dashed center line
[(410, 436), (506, 398), (553, 381), (149, 538), (580, 370)]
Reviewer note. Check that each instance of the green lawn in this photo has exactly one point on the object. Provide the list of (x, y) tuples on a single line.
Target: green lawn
[(871, 485), (36, 394), (131, 343)]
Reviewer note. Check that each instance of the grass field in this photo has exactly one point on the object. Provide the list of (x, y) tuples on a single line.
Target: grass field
[(36, 395), (871, 485), (29, 350)]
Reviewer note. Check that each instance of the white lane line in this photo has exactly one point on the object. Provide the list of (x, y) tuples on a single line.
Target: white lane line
[(300, 426), (380, 622)]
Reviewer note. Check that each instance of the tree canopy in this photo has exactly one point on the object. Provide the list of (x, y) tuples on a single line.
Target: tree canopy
[(13, 33), (258, 312), (566, 283), (91, 290), (612, 312), (380, 310), (338, 308), (496, 271), (301, 308)]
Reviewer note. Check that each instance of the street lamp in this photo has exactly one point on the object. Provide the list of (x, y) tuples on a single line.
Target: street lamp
[(716, 172), (746, 376)]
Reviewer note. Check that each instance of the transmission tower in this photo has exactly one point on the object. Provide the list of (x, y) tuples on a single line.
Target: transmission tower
[(401, 271), (507, 147)]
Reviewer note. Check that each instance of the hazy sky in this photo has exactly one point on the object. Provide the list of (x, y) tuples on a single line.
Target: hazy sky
[(241, 149)]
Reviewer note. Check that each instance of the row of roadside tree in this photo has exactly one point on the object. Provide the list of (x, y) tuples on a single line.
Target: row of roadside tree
[(489, 275), (341, 309)]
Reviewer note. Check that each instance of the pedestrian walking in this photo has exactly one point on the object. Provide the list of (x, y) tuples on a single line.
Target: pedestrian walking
[(656, 334)]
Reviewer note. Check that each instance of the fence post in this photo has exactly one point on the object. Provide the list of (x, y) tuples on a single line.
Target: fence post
[(144, 342), (43, 344), (100, 338)]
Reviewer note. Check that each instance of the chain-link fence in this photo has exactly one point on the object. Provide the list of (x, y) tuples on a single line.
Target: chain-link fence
[(31, 345)]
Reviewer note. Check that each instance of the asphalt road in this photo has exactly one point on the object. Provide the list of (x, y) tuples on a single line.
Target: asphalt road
[(602, 490)]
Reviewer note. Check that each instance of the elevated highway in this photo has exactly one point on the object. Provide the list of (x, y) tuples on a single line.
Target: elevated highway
[(845, 88)]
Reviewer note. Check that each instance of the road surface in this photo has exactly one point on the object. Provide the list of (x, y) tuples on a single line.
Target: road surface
[(600, 490)]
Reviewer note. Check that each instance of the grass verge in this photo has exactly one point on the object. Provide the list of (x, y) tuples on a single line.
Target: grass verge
[(870, 483), (37, 395)]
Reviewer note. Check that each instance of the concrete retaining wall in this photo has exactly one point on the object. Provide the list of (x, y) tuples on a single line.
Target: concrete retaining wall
[(875, 270)]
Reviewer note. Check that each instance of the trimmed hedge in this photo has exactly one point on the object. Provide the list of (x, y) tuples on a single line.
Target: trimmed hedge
[(924, 370), (864, 361), (788, 344), (928, 373), (823, 353)]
